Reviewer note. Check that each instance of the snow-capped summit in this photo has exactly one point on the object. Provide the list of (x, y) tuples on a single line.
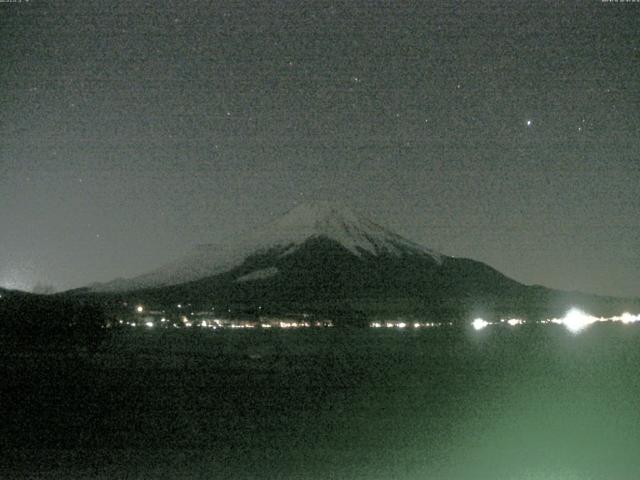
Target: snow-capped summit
[(285, 235), (340, 224)]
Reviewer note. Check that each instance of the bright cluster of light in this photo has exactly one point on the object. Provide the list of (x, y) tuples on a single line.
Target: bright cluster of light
[(294, 325), (216, 323), (479, 324), (403, 325), (626, 318), (575, 320), (514, 321)]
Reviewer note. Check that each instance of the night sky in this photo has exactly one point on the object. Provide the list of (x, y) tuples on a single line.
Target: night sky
[(508, 132)]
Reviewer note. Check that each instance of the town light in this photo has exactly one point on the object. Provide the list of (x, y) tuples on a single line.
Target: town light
[(576, 320), (626, 317), (479, 323)]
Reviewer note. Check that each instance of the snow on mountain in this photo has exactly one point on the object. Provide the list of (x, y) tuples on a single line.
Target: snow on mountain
[(202, 261), (259, 274), (285, 235), (341, 224)]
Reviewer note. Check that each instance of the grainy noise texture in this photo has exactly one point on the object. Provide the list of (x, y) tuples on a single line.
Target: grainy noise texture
[(507, 132)]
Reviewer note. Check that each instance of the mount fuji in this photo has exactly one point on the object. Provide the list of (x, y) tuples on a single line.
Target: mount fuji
[(323, 257), (283, 237)]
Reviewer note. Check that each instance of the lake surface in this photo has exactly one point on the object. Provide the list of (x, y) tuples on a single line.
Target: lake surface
[(501, 403)]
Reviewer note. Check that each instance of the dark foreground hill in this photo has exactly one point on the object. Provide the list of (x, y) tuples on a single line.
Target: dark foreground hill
[(49, 321)]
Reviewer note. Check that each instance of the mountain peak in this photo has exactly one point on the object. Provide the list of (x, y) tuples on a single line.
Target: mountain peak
[(340, 223)]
